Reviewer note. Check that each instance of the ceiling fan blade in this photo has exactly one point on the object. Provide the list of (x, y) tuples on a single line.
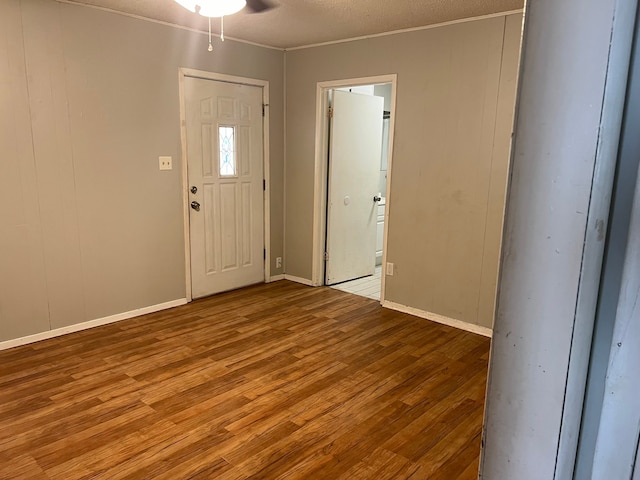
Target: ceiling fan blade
[(258, 6)]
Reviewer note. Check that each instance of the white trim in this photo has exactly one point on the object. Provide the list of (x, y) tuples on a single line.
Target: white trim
[(407, 30), (576, 408), (434, 317), (185, 188), (266, 176), (284, 163), (220, 77), (91, 324), (321, 170), (385, 228), (303, 281), (276, 278), (319, 189), (167, 24)]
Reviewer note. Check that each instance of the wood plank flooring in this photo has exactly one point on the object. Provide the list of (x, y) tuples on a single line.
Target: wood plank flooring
[(277, 381)]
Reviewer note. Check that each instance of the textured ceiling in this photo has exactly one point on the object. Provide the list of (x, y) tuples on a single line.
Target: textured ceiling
[(304, 22)]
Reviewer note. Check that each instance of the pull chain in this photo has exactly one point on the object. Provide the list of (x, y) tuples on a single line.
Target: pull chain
[(222, 28), (210, 45)]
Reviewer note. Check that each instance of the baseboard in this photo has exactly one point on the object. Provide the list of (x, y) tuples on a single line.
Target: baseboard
[(434, 317), (275, 278), (90, 324), (303, 281)]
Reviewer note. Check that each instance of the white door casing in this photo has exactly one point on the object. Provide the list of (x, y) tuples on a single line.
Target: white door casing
[(354, 172), (226, 233)]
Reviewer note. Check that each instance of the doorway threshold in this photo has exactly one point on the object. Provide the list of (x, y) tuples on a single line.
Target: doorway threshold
[(365, 287)]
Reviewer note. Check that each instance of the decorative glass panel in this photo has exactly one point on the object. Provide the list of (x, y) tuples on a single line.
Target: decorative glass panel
[(227, 151)]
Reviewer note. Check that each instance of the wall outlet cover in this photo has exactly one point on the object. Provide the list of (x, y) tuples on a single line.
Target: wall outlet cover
[(165, 163)]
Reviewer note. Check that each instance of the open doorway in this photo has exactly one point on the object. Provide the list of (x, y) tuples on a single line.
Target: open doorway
[(354, 139)]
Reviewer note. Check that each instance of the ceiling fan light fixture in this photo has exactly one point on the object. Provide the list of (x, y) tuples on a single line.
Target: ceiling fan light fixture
[(213, 8)]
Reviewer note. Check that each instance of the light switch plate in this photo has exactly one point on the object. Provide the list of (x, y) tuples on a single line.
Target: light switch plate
[(165, 163)]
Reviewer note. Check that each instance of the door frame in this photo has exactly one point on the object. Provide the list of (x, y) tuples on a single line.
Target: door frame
[(220, 77), (321, 169)]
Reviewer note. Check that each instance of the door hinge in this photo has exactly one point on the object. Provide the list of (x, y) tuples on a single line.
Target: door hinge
[(330, 112), (264, 185), (264, 108), (326, 256), (264, 253)]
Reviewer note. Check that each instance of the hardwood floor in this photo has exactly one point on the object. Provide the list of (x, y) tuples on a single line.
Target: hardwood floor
[(271, 381)]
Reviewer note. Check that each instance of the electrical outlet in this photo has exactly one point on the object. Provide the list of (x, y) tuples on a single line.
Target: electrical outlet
[(390, 269), (165, 163), (278, 262)]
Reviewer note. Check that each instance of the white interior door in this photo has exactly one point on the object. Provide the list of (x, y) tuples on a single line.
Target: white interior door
[(225, 171), (354, 173)]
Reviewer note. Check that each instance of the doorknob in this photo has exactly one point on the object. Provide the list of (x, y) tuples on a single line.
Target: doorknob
[(377, 198), (195, 205), (194, 189)]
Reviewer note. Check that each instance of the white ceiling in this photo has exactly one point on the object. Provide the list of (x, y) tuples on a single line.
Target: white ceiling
[(305, 22)]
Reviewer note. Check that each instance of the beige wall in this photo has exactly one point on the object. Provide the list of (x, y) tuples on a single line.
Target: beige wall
[(455, 98), (89, 99), (89, 226)]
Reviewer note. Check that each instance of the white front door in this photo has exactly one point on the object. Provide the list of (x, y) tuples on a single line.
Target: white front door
[(224, 130), (354, 174)]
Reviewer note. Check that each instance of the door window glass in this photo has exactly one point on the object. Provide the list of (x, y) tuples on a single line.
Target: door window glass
[(227, 144)]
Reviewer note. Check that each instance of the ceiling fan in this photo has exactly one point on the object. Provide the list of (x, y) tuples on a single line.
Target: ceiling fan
[(257, 6), (220, 8)]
